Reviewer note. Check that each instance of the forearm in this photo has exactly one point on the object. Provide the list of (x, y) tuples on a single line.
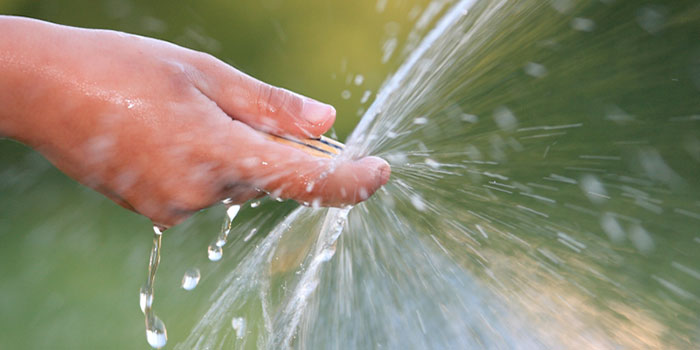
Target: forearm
[(25, 70), (51, 96), (47, 86)]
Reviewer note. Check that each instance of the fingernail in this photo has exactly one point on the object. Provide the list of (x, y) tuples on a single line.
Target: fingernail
[(316, 112), (384, 174)]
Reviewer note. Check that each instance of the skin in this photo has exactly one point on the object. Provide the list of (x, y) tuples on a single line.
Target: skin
[(163, 130)]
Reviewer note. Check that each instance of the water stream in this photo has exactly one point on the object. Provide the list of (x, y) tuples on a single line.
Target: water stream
[(545, 194)]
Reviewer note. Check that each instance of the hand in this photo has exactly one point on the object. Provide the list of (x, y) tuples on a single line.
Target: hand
[(163, 130)]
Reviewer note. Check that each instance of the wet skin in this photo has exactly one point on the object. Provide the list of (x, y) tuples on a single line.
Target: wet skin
[(163, 130)]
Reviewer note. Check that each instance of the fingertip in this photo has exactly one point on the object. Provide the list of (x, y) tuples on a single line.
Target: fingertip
[(316, 112), (379, 167), (359, 180), (384, 173)]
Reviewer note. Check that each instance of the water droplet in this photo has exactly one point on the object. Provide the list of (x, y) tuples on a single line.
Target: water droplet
[(232, 211), (158, 229), (309, 187), (505, 119), (420, 121), (250, 235), (594, 189), (562, 6), (214, 252), (651, 18), (432, 163), (535, 70), (238, 324), (612, 228), (156, 334), (346, 94), (388, 49), (397, 158), (145, 298), (362, 192), (582, 24), (417, 202), (618, 115), (380, 6), (275, 194), (641, 239), (255, 204), (365, 96), (415, 11), (359, 79), (190, 279), (470, 118)]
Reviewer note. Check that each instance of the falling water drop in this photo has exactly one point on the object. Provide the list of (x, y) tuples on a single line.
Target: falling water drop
[(470, 118), (582, 24), (535, 70), (505, 119), (432, 163), (651, 18), (641, 239), (238, 324), (190, 279), (417, 202), (365, 96), (156, 334), (359, 79), (215, 252), (388, 49), (420, 121), (232, 211), (250, 235), (145, 299)]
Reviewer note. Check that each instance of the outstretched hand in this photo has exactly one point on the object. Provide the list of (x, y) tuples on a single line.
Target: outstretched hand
[(163, 130)]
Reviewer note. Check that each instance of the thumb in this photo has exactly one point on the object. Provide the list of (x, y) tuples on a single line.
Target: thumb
[(262, 106), (288, 172)]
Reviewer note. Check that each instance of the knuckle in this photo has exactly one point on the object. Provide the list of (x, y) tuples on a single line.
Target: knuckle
[(179, 77), (277, 102)]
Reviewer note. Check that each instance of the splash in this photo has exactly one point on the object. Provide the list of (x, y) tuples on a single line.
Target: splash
[(543, 195)]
